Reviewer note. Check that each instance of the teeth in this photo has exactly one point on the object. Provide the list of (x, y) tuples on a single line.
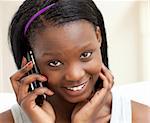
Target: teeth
[(76, 88)]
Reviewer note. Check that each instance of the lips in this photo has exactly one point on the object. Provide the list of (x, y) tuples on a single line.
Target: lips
[(78, 89), (77, 85)]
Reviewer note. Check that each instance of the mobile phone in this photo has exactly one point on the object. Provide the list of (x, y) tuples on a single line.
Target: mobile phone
[(36, 84)]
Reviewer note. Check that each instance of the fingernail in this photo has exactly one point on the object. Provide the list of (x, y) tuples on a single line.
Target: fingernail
[(29, 63), (51, 92), (44, 77)]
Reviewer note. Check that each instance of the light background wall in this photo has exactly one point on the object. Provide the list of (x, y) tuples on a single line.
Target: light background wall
[(128, 40)]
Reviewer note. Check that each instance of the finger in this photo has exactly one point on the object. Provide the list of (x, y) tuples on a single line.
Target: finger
[(100, 96), (22, 72), (18, 75), (15, 86), (105, 81), (24, 61), (23, 89), (29, 100), (104, 119), (97, 101), (108, 75), (31, 78)]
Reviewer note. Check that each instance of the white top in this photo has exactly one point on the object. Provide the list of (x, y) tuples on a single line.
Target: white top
[(121, 110), (18, 115)]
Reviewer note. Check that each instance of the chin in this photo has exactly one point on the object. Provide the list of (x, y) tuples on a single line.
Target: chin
[(79, 98)]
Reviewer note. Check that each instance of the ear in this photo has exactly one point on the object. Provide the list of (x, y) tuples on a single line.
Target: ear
[(98, 34)]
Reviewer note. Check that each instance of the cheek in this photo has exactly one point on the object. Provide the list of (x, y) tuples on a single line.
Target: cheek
[(94, 66), (53, 76), (54, 79)]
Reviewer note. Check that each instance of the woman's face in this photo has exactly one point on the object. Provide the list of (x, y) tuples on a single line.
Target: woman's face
[(70, 57)]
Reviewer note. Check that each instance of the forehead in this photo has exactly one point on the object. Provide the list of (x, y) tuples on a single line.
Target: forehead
[(75, 28), (70, 35)]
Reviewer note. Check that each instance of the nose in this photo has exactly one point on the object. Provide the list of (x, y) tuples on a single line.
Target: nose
[(74, 73)]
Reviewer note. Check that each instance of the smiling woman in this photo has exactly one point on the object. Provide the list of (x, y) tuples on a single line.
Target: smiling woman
[(66, 27), (68, 40), (69, 69)]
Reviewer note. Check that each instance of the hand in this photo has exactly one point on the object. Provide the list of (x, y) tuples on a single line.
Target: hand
[(96, 110), (20, 83)]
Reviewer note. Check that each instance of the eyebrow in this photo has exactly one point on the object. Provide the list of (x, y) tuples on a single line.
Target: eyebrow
[(85, 46), (51, 53), (60, 53)]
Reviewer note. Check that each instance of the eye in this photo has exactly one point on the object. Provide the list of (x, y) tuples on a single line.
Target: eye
[(55, 63), (85, 55)]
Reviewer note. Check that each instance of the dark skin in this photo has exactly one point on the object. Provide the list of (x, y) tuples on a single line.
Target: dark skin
[(70, 46)]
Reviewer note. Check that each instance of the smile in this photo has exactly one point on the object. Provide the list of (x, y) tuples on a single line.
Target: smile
[(76, 88)]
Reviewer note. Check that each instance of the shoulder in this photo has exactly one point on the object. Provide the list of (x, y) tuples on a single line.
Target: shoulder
[(6, 117), (140, 113)]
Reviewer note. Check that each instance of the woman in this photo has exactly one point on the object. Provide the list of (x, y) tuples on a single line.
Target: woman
[(69, 44)]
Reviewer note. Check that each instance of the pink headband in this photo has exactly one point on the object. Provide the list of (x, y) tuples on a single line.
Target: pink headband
[(35, 16)]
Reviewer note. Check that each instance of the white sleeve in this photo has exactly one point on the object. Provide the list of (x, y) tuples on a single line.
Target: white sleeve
[(121, 108), (18, 115)]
